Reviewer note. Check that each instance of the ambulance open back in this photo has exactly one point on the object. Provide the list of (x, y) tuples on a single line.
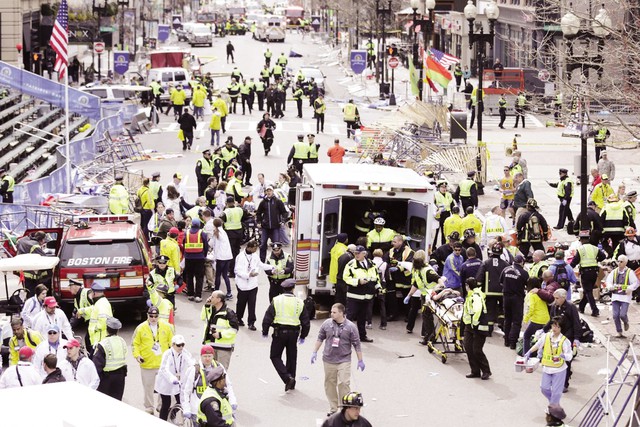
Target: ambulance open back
[(333, 198)]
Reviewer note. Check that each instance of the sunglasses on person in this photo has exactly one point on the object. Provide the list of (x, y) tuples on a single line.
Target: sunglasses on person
[(179, 345), (53, 333), (152, 315)]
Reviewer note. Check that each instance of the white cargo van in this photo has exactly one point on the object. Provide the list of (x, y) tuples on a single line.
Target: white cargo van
[(270, 28), (333, 197)]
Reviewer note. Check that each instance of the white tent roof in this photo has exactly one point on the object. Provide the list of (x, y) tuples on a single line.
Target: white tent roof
[(28, 262), (69, 404)]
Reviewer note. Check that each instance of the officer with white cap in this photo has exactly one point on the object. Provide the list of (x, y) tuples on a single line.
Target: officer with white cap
[(110, 358)]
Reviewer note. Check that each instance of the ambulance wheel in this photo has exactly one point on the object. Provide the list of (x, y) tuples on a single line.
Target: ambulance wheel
[(443, 358)]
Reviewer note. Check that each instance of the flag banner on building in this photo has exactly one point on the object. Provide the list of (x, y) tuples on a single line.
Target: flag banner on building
[(436, 72), (444, 58), (413, 78), (59, 40)]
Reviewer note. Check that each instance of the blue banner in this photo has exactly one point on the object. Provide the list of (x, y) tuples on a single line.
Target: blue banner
[(121, 62), (358, 61), (49, 91), (163, 32)]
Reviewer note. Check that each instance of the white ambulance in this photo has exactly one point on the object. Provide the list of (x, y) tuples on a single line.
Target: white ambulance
[(334, 197)]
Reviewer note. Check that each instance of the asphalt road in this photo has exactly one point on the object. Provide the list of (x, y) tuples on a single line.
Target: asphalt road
[(408, 391)]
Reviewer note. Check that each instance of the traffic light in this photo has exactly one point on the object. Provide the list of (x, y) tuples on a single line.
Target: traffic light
[(392, 51), (35, 40)]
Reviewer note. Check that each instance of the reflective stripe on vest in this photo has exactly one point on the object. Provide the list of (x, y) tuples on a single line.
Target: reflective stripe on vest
[(534, 271), (234, 218), (419, 279), (588, 256), (280, 265), (225, 407), (12, 182), (206, 168), (191, 246), (621, 286), (349, 112), (562, 184), (614, 221), (493, 226), (115, 353), (288, 309), (301, 150), (549, 353), (313, 151), (200, 383)]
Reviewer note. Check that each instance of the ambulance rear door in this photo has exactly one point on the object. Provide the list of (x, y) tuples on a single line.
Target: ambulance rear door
[(417, 228), (329, 228), (302, 232)]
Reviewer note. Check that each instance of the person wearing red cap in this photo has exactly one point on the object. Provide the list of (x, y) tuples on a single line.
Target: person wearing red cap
[(52, 315), (78, 368), (22, 336), (195, 383), (22, 374)]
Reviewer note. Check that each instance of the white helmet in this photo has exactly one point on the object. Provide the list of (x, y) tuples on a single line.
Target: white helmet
[(379, 221)]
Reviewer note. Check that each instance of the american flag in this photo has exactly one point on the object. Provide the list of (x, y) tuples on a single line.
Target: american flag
[(444, 58), (59, 39)]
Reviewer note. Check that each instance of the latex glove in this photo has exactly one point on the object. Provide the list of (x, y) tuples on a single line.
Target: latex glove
[(393, 269), (234, 407), (301, 341), (314, 357), (187, 415), (406, 299), (564, 203), (265, 337), (361, 365), (176, 382), (576, 343)]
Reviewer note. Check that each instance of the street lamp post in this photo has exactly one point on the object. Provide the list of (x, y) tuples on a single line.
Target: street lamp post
[(573, 32), (481, 39), (382, 50), (425, 26)]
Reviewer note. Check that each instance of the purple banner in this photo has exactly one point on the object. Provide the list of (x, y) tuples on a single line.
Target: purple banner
[(121, 62), (163, 32), (49, 91)]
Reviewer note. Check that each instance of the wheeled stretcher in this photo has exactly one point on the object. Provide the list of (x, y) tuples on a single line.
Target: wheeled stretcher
[(446, 306)]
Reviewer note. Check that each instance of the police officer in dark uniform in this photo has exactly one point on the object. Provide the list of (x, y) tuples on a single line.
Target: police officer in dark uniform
[(289, 319), (110, 360), (502, 109), (587, 258), (565, 188), (467, 192), (592, 223), (398, 277), (489, 279), (514, 282), (282, 268)]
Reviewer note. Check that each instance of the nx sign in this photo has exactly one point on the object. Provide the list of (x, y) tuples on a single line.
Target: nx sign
[(80, 34)]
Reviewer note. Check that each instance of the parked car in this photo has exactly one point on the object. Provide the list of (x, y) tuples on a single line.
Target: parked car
[(309, 72), (201, 35)]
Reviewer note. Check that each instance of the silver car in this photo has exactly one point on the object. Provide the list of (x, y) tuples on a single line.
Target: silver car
[(201, 35), (313, 72)]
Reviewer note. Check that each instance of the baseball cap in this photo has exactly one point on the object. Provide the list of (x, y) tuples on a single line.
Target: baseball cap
[(177, 175), (26, 352), (153, 310), (174, 230), (342, 237), (50, 302), (177, 339), (53, 327), (72, 343), (605, 176), (268, 187), (207, 349), (519, 259), (360, 248)]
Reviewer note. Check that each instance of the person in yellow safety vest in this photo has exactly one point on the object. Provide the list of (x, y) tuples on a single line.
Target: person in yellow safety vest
[(214, 408), (157, 91), (246, 91), (621, 282), (221, 327), (363, 281), (615, 221), (539, 264), (234, 187), (178, 99), (163, 275), (600, 140), (297, 96), (457, 73), (587, 258), (204, 170), (299, 154), (260, 89), (557, 107), (110, 359), (223, 109), (565, 187), (199, 96), (234, 92), (521, 104), (146, 206), (339, 248), (467, 192), (473, 102), (165, 308), (151, 339), (601, 192), (351, 116), (228, 153), (380, 237), (476, 330), (82, 298), (170, 248), (300, 78), (470, 220), (196, 211), (196, 248), (290, 321), (313, 149), (282, 60), (453, 222), (494, 226), (423, 278), (398, 276), (233, 216), (195, 383), (319, 107), (282, 269), (267, 57), (98, 313), (502, 109), (7, 185), (556, 351), (371, 54), (630, 207), (118, 197), (30, 337), (444, 202), (156, 188)]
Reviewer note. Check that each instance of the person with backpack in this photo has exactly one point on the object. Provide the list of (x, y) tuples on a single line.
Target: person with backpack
[(563, 273), (532, 229)]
